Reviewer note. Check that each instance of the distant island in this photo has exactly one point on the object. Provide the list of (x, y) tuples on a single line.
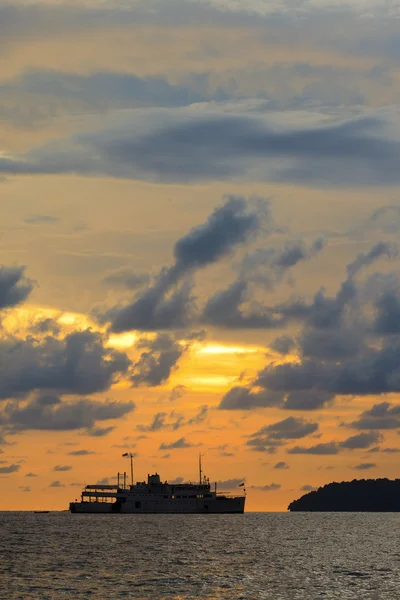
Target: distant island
[(359, 495)]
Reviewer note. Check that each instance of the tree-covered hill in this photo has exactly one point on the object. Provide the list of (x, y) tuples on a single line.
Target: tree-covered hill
[(359, 495)]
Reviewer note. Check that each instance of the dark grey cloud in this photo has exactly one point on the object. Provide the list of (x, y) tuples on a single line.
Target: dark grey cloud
[(307, 488), (269, 265), (56, 484), (62, 468), (47, 325), (375, 371), (180, 443), (365, 466), (323, 312), (14, 286), (268, 438), (283, 344), (288, 429), (158, 422), (361, 440), (159, 307), (177, 481), (40, 219), (380, 416), (9, 469), (307, 399), (281, 465), (364, 259), (331, 344), (101, 90), (224, 309), (157, 361), (269, 487), (50, 413), (99, 431), (31, 475), (228, 226), (25, 488), (127, 278), (243, 398), (319, 449), (80, 363), (166, 304), (360, 151), (229, 484), (81, 452), (387, 310)]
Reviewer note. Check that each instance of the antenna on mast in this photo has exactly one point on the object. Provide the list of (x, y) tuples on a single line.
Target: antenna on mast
[(200, 471), (131, 457)]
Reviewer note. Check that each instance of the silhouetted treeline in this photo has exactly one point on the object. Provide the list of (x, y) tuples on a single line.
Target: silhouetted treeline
[(359, 495)]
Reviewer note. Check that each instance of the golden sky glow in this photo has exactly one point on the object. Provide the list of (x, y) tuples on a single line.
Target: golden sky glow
[(199, 239)]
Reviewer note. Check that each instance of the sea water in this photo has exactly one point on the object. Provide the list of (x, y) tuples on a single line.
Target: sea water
[(274, 556)]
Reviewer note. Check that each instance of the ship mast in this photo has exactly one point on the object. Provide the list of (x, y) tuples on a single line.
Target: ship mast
[(200, 471), (131, 457)]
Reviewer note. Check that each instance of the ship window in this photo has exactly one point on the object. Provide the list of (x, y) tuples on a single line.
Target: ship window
[(138, 504)]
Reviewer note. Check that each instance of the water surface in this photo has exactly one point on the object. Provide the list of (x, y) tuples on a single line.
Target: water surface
[(255, 556)]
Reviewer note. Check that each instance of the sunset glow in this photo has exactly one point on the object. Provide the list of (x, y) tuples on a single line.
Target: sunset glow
[(199, 239)]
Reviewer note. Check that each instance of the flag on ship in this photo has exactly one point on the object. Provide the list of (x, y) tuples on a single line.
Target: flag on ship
[(241, 484), (126, 454)]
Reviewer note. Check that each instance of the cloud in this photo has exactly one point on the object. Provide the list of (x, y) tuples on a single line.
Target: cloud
[(365, 466), (40, 219), (188, 147), (318, 449), (233, 308), (283, 344), (243, 398), (166, 304), (365, 259), (376, 371), (281, 465), (308, 488), (181, 443), (103, 90), (56, 484), (229, 484), (50, 413), (10, 469), (14, 286), (271, 487), (81, 452), (224, 309), (127, 278), (80, 363), (158, 361), (177, 481), (387, 310), (361, 441), (380, 416), (31, 475), (269, 265), (288, 429), (157, 423), (62, 468), (99, 431)]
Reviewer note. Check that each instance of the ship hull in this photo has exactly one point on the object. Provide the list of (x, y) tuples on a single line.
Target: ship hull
[(220, 505)]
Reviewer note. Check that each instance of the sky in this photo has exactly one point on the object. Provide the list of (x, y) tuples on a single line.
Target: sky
[(199, 245)]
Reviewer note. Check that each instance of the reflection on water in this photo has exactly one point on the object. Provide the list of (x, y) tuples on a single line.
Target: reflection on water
[(253, 556)]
